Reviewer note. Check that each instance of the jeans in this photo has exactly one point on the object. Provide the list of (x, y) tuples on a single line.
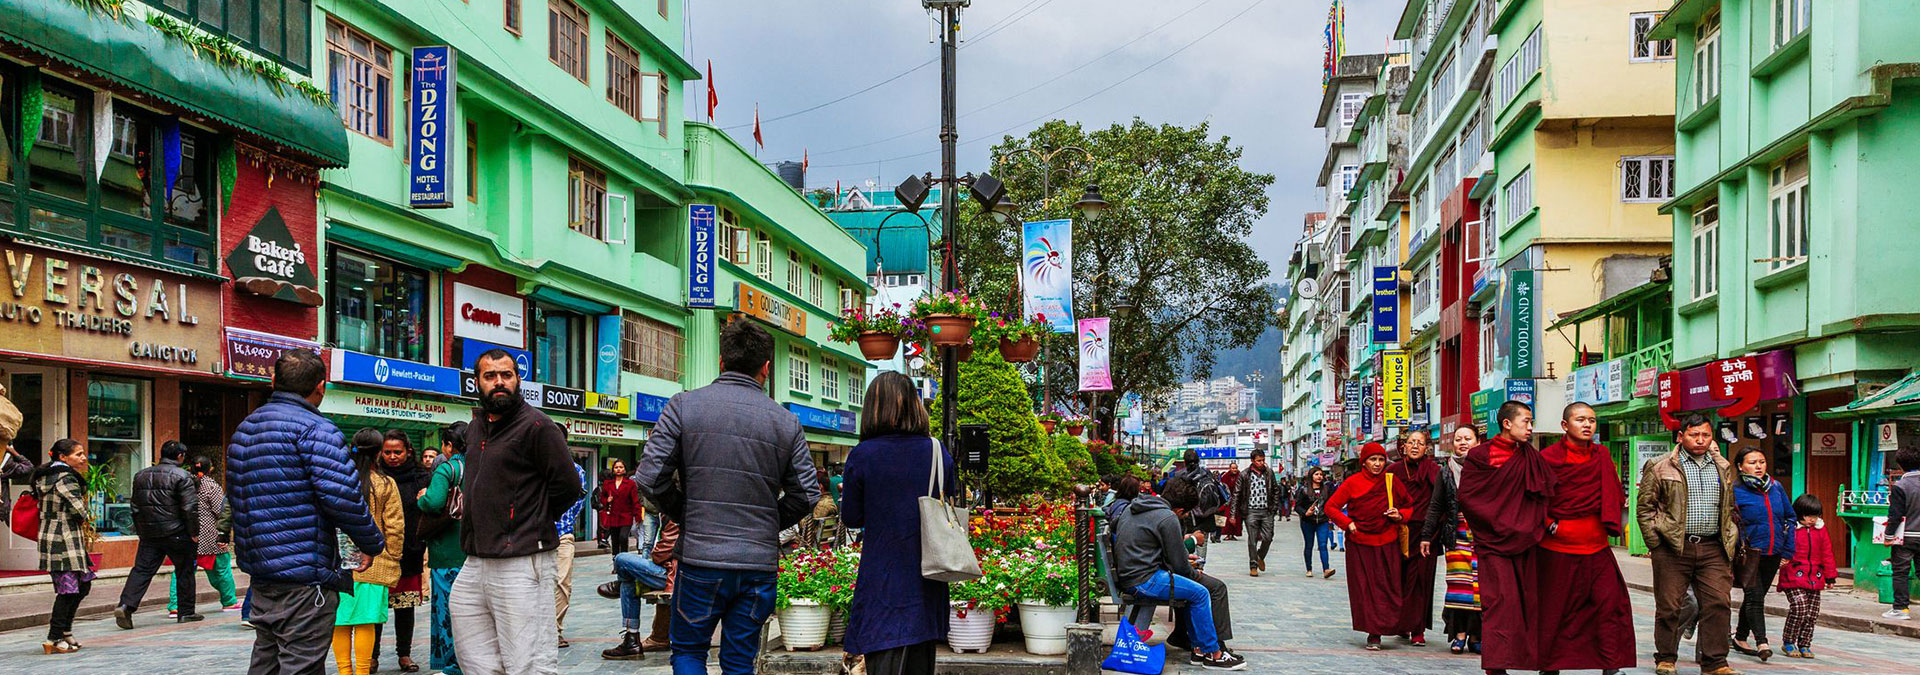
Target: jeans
[(634, 570), (146, 561), (292, 628), (1311, 533), (1197, 616), (739, 600), (440, 626), (1903, 556), (502, 615), (221, 577)]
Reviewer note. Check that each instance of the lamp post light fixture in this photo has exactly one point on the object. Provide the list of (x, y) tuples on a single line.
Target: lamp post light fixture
[(1091, 204)]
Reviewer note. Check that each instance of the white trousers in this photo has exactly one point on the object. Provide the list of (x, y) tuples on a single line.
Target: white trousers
[(502, 616)]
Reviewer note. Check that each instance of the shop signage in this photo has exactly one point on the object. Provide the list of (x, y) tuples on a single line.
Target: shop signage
[(1520, 313), (606, 369), (1598, 384), (1733, 379), (1330, 424), (841, 421), (1647, 451), (363, 404), (487, 315), (380, 371), (762, 305), (602, 429), (77, 307), (647, 407), (1484, 406), (1386, 305), (251, 354), (1889, 437), (555, 397), (1729, 386), (1520, 390), (1369, 407), (1396, 404), (1644, 382), (432, 122), (471, 349), (1417, 407), (620, 406), (702, 238), (1826, 444), (268, 261)]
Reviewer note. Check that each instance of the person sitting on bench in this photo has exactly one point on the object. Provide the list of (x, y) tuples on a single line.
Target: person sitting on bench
[(1151, 561), (654, 572)]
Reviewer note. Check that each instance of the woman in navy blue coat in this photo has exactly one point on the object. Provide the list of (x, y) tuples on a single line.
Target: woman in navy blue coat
[(897, 616)]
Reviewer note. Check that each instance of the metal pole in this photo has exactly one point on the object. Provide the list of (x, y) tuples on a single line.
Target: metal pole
[(949, 135)]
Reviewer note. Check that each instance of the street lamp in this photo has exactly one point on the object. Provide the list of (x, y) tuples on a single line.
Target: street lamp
[(1091, 204)]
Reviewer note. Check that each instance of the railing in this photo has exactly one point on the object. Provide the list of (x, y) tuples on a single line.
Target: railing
[(1658, 357)]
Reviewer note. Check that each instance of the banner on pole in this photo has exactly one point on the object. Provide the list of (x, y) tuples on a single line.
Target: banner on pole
[(1395, 395), (1046, 273), (432, 138), (1094, 372), (1386, 305)]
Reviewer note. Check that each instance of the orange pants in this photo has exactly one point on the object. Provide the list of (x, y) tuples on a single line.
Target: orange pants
[(353, 648)]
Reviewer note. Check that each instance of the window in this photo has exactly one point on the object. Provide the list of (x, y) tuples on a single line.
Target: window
[(1787, 210), (799, 369), (1517, 197), (117, 422), (1643, 49), (623, 76), (1706, 250), (511, 18), (649, 347), (857, 385), (1489, 344), (848, 299), (1790, 19), (1348, 173), (378, 306), (586, 198), (795, 270), (1488, 220), (1518, 70), (473, 162), (1646, 179), (276, 29), (735, 243), (1706, 60), (560, 347), (763, 257), (663, 8), (816, 287), (567, 37), (1420, 296), (360, 78), (829, 378), (1350, 105), (657, 113), (1446, 173)]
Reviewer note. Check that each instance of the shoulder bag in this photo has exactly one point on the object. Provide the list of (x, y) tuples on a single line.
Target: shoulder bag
[(945, 553)]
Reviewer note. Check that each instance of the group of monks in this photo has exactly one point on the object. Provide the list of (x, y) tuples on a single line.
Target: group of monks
[(1552, 594)]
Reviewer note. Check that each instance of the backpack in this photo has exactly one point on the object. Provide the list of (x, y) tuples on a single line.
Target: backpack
[(433, 525), (1213, 494)]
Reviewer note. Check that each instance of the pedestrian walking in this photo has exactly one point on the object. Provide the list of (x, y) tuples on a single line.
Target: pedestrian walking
[(634, 575), (563, 559), (1202, 519), (518, 480), (1902, 533), (440, 526), (1586, 621), (897, 617), (356, 624), (620, 505), (294, 493), (66, 538), (1505, 488), (1446, 531), (1368, 506), (1151, 561), (733, 468), (1686, 513), (1315, 530), (410, 477), (1767, 525), (1233, 527), (1420, 476), (1257, 496), (212, 544), (1810, 570), (166, 516)]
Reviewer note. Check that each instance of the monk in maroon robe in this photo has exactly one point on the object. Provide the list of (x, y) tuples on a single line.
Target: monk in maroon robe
[(1505, 489), (1587, 622), (1370, 506), (1417, 472)]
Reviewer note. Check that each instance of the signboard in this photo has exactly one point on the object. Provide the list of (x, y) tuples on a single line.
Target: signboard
[(538, 395), (380, 371), (1519, 390), (1095, 374), (606, 365), (1396, 406), (618, 431), (471, 349), (1350, 396), (1726, 385), (1046, 272), (71, 306), (1369, 408), (251, 355), (1644, 382), (1889, 437), (841, 421), (1520, 317), (1734, 380), (1647, 451), (432, 124), (1484, 406), (762, 305), (647, 407), (487, 315), (1329, 430), (703, 236), (1826, 444), (1418, 415), (362, 404), (619, 406), (1386, 305), (269, 262)]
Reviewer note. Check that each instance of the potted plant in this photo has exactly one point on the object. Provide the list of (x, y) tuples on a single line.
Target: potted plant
[(1075, 424), (1049, 420), (976, 607), (950, 317), (1020, 339), (1044, 581), (878, 332), (803, 584)]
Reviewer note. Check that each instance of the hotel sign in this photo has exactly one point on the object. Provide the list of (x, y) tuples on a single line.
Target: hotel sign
[(762, 305), (432, 124), (69, 306)]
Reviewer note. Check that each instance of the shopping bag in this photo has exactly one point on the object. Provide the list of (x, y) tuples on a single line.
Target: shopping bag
[(1132, 654), (945, 553)]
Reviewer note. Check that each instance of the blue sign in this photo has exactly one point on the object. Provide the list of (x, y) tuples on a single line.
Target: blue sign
[(606, 369), (379, 371), (1386, 305), (1520, 390), (1217, 452), (432, 122), (647, 407), (471, 349), (702, 238), (831, 420)]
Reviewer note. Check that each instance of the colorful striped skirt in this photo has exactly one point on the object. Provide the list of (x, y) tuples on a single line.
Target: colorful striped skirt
[(1463, 571)]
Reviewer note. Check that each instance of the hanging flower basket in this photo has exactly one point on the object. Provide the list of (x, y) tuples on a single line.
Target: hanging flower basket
[(1019, 339), (963, 352), (1075, 425), (949, 330), (949, 317), (1024, 350), (878, 346), (877, 332), (1048, 421)]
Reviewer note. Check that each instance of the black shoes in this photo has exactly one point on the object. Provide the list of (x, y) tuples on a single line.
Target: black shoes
[(628, 650), (187, 618), (123, 617), (609, 590)]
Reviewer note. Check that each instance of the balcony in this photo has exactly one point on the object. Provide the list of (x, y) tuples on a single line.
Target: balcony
[(1658, 356)]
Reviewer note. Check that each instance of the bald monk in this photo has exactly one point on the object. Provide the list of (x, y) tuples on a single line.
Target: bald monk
[(1587, 622), (1506, 487)]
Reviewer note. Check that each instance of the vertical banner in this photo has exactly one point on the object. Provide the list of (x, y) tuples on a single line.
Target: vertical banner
[(606, 367), (1046, 275), (701, 238), (1369, 409), (1094, 372), (1386, 305), (1520, 309), (1350, 403), (1395, 395), (432, 120), (1418, 415)]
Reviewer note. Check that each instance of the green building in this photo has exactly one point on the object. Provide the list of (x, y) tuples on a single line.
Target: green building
[(1795, 127)]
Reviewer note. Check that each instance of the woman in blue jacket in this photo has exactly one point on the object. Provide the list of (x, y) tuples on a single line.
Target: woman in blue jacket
[(1766, 537)]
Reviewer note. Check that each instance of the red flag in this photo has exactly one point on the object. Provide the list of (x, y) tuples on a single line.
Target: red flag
[(803, 161), (757, 140), (713, 97)]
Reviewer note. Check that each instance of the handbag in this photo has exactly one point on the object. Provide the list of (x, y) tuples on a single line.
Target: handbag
[(945, 553), (25, 516), (1746, 566), (1131, 654)]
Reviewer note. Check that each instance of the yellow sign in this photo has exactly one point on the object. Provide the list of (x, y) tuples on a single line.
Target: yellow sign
[(762, 305), (1395, 399), (617, 405)]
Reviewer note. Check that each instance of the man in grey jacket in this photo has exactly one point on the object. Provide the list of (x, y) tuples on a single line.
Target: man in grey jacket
[(1903, 512), (732, 467), (1150, 560)]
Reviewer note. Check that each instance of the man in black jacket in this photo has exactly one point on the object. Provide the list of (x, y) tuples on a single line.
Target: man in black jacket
[(1256, 498), (1150, 560), (166, 515)]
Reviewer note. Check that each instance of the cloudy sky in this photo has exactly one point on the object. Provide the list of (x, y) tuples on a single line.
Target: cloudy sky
[(1251, 67)]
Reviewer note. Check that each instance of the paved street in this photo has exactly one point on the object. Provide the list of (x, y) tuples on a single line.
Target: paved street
[(1284, 623)]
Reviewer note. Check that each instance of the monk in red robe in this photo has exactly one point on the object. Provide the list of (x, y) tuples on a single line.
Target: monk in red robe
[(1417, 472), (1370, 507), (1587, 622), (1505, 489)]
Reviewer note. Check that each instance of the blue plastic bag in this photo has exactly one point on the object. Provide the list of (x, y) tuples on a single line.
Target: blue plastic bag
[(1132, 654)]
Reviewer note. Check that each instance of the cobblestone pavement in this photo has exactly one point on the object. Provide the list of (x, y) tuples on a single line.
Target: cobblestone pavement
[(1285, 623)]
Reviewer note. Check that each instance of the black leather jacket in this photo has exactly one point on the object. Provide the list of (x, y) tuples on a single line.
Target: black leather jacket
[(1443, 513), (164, 502)]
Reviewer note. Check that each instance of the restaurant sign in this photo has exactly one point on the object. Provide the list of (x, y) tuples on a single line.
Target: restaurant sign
[(1729, 387), (71, 306), (762, 305), (251, 354)]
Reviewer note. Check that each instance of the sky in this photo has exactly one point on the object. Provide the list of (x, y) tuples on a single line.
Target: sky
[(1250, 67)]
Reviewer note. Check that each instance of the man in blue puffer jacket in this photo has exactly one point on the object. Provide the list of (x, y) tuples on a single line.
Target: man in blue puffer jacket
[(293, 490)]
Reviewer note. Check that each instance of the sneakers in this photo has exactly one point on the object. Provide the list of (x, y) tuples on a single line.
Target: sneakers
[(246, 624), (1220, 661), (1806, 652), (173, 614), (1253, 571), (1897, 614), (1789, 651), (629, 649), (123, 617), (1309, 572), (235, 607), (1418, 639)]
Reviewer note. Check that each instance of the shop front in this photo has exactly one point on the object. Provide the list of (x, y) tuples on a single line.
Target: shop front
[(1882, 420), (831, 434)]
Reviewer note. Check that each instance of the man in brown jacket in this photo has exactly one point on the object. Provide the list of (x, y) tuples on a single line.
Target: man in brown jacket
[(1686, 513)]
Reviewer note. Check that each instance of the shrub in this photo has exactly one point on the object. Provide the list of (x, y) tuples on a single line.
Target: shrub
[(1077, 458), (1021, 462)]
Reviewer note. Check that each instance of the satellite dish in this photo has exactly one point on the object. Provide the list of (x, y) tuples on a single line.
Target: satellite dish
[(1307, 288)]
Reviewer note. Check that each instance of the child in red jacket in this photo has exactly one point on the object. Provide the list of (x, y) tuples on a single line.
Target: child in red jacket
[(1802, 577)]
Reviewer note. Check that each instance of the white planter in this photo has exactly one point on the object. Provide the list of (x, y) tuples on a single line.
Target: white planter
[(803, 625), (1045, 627), (837, 628), (971, 633)]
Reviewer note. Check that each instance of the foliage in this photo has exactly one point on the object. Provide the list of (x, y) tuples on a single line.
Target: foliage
[(823, 576), (1105, 463), (992, 393), (996, 327), (1044, 526), (1046, 576), (1077, 457), (228, 55), (992, 592), (1076, 420), (959, 304), (103, 480), (857, 320), (1050, 416)]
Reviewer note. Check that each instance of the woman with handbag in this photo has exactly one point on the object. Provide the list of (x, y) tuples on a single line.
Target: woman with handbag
[(1767, 525), (621, 507), (897, 615), (1311, 501), (66, 534)]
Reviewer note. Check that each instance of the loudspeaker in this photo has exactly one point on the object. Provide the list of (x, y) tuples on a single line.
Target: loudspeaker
[(974, 446)]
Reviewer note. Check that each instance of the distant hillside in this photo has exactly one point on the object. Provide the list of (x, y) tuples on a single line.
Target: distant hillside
[(1263, 356)]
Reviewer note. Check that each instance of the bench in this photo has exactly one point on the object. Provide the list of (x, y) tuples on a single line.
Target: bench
[(1129, 605)]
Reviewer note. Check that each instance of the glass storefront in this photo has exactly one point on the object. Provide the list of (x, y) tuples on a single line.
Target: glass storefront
[(117, 445), (560, 352), (378, 306)]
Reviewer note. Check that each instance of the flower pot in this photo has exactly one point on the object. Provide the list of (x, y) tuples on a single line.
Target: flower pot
[(1075, 429), (950, 330), (963, 352), (878, 346), (1048, 425), (1044, 627), (803, 625), (837, 628), (1023, 351), (970, 630)]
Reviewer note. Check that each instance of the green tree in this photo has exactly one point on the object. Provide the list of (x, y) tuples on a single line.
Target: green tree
[(1077, 459), (1104, 464), (1020, 461)]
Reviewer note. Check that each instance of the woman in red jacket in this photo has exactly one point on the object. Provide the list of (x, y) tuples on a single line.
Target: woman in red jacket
[(1367, 507), (1803, 576), (622, 507)]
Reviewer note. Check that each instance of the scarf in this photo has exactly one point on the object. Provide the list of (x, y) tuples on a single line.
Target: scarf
[(1762, 483)]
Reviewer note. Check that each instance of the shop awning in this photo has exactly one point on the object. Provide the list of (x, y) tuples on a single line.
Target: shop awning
[(1899, 398), (134, 55)]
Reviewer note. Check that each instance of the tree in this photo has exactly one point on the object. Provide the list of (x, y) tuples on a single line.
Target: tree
[(1171, 246), (1020, 460), (1076, 458)]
